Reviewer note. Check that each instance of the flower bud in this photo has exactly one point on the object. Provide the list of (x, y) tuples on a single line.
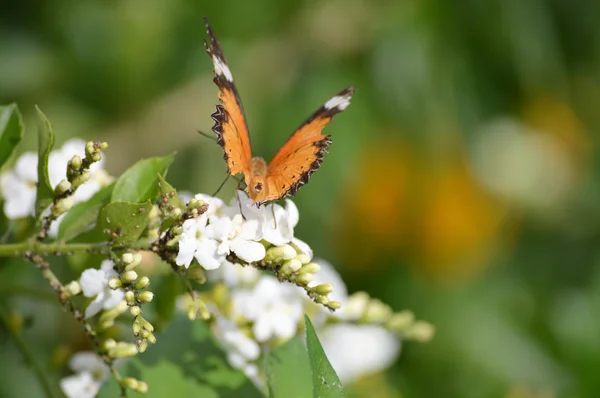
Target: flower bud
[(136, 328), (81, 178), (145, 296), (177, 212), (146, 325), (303, 258), (62, 187), (142, 387), (324, 300), (135, 310), (103, 146), (109, 344), (151, 338), (142, 283), (127, 258), (290, 266), (401, 321), (63, 206), (279, 253), (141, 345), (123, 350), (89, 148), (421, 331), (129, 276), (130, 383), (377, 311), (356, 305), (323, 289), (334, 305), (73, 288), (75, 162), (305, 279), (114, 283), (197, 273), (310, 268), (130, 297), (136, 259)]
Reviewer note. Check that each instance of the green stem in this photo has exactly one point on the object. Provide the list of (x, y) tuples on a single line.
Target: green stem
[(27, 354), (23, 248)]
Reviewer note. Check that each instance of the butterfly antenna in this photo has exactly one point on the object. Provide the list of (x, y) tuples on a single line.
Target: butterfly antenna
[(210, 137), (221, 186)]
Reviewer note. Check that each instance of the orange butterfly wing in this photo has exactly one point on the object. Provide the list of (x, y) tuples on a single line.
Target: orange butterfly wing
[(230, 123), (303, 152)]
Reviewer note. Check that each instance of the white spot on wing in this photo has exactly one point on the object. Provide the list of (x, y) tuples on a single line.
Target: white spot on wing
[(222, 69), (339, 101)]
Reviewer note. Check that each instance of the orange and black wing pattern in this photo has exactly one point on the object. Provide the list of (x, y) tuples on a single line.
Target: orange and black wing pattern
[(230, 123), (303, 152)]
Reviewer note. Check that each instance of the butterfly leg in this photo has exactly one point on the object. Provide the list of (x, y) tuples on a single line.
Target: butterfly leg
[(274, 218), (240, 206), (221, 186)]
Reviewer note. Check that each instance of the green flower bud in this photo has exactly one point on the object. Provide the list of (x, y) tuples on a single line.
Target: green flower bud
[(127, 258), (142, 345), (401, 321), (137, 328), (192, 313), (135, 310), (89, 148), (130, 383), (103, 146), (123, 350), (142, 387), (129, 276), (146, 325), (303, 258), (324, 300), (279, 253), (81, 178), (334, 305), (145, 296), (96, 157), (197, 273), (73, 288), (109, 344), (290, 266), (310, 268), (420, 331), (142, 283), (114, 283), (63, 206), (305, 279), (151, 338), (356, 305), (177, 212), (62, 187), (323, 289), (130, 297), (378, 312), (75, 162)]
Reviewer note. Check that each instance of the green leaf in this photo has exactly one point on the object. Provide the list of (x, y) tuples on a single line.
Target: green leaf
[(184, 363), (140, 182), (127, 220), (11, 131), (83, 215), (288, 371), (45, 193), (325, 380)]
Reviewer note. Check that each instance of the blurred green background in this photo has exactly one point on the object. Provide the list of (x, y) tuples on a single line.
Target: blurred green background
[(462, 182)]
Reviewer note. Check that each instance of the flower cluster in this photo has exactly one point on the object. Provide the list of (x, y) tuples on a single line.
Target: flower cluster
[(18, 185), (90, 374)]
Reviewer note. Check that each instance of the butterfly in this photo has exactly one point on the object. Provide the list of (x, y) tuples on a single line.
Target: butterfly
[(293, 164)]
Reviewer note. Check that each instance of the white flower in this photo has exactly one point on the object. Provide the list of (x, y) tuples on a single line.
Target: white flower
[(90, 373), (357, 350), (18, 186), (94, 282), (238, 236), (275, 308), (196, 243)]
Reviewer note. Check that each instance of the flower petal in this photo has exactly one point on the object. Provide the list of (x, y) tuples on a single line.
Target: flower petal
[(207, 256), (247, 250), (93, 281)]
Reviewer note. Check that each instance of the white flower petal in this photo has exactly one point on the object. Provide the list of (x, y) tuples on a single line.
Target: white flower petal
[(304, 248), (247, 250), (95, 306), (81, 385), (262, 329), (93, 281), (89, 361), (292, 213), (207, 256), (112, 298)]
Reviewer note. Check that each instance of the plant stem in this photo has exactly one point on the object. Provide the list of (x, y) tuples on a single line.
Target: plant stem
[(27, 354), (32, 246)]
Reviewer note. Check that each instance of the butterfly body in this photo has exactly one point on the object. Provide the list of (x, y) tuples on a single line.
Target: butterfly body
[(299, 157)]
